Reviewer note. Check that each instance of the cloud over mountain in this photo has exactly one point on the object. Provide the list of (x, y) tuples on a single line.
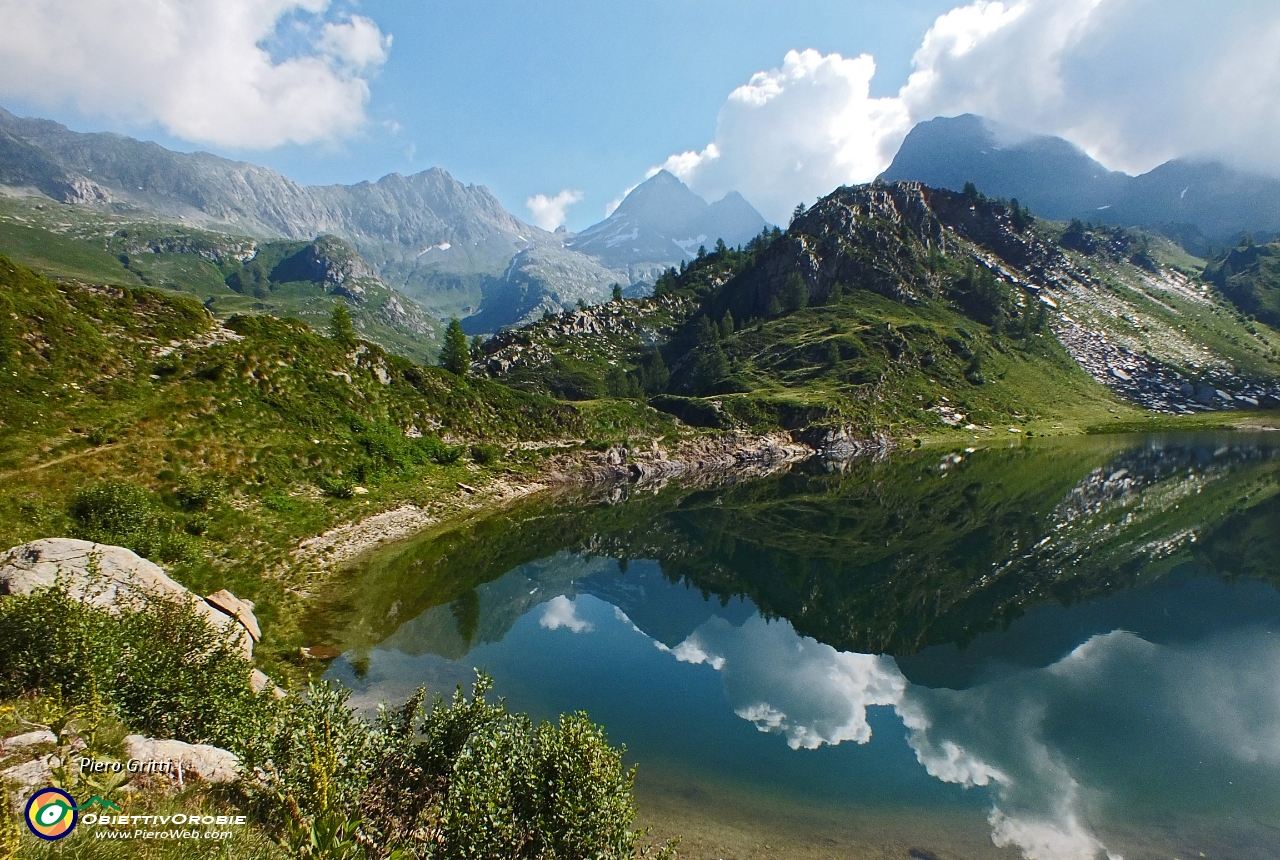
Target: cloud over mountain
[(199, 68), (1134, 82), (549, 212)]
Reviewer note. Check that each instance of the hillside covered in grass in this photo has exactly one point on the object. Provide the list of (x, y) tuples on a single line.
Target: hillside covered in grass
[(1249, 276), (228, 274), (896, 307), (130, 416)]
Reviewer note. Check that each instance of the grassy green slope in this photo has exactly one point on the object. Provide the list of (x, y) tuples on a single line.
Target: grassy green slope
[(908, 311), (69, 242), (134, 384)]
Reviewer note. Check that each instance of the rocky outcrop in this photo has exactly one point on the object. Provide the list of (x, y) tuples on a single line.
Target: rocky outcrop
[(211, 764), (605, 329), (1156, 385), (545, 278), (27, 739), (112, 578), (240, 610), (37, 770), (868, 236), (333, 264), (745, 454), (842, 442)]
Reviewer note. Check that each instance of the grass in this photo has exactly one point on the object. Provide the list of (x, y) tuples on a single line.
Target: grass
[(94, 388), (884, 366), (74, 243)]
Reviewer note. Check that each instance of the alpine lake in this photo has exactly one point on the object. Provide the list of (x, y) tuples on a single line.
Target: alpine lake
[(1058, 649)]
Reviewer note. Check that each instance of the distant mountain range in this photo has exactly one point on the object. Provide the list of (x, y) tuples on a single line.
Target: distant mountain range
[(1195, 202), (662, 220), (451, 247), (660, 224)]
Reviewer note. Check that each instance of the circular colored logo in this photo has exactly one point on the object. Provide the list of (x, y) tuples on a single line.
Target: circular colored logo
[(51, 813)]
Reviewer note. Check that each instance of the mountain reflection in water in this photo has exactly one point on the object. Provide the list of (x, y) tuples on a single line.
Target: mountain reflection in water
[(1087, 636)]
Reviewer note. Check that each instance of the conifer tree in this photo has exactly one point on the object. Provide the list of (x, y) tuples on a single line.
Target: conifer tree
[(726, 324), (455, 356), (340, 328), (795, 293)]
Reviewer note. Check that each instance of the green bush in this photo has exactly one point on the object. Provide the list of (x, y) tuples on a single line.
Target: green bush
[(113, 508), (458, 779), (338, 486), (386, 450), (160, 666), (200, 493), (123, 514), (486, 455), (314, 756)]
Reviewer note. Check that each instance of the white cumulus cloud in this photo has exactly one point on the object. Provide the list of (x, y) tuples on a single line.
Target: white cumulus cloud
[(796, 132), (561, 612), (358, 42), (549, 212), (196, 67), (1134, 82), (806, 691)]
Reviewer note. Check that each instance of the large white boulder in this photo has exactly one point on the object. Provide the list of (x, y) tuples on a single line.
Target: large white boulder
[(112, 577), (212, 764)]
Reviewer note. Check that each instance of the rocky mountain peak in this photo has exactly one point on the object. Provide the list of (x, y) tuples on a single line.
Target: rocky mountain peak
[(662, 222)]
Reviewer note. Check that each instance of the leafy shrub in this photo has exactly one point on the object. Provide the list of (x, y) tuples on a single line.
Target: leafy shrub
[(387, 450), (281, 502), (315, 756), (338, 486), (198, 524), (123, 514), (159, 665), (200, 493), (113, 508), (486, 455), (463, 778)]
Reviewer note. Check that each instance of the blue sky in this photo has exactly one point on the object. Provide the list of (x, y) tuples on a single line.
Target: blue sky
[(535, 96), (583, 99)]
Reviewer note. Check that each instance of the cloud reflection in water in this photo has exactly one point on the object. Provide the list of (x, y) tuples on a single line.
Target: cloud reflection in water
[(1062, 748)]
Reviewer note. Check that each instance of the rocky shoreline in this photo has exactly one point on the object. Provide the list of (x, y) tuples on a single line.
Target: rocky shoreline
[(703, 458)]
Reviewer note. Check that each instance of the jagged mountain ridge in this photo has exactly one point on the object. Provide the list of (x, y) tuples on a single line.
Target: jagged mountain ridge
[(415, 211), (896, 302), (659, 225), (436, 239), (451, 247), (1196, 201), (662, 222)]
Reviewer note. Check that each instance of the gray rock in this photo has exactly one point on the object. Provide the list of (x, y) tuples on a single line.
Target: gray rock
[(212, 764), (27, 776), (108, 577), (27, 739), (258, 681), (240, 610)]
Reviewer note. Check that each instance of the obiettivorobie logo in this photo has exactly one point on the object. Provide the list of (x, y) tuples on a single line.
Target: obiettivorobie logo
[(52, 814)]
